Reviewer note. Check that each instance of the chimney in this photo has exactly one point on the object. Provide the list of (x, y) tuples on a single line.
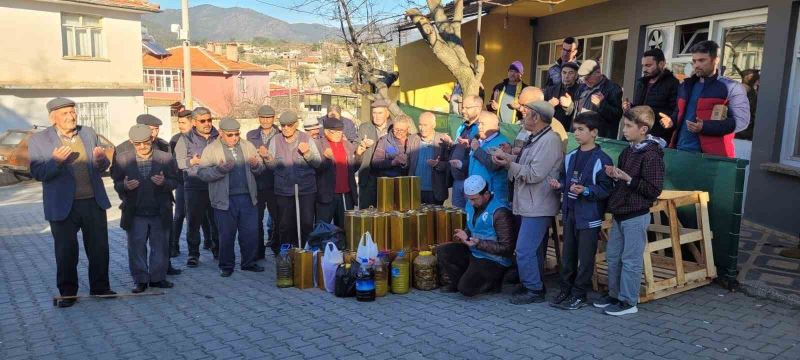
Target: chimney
[(218, 49), (232, 52), (210, 46)]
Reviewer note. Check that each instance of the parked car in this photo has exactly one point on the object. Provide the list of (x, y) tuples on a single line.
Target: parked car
[(14, 150)]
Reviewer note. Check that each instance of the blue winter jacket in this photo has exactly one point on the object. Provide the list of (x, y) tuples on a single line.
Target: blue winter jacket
[(589, 207)]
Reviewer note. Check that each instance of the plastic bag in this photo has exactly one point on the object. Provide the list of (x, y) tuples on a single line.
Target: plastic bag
[(331, 260), (324, 233), (346, 279), (367, 249)]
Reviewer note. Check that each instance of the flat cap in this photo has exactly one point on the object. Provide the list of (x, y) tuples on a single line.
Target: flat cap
[(543, 108), (229, 124), (287, 118), (332, 123), (266, 110), (139, 133), (311, 123), (59, 103), (588, 67), (184, 113), (147, 119), (380, 103)]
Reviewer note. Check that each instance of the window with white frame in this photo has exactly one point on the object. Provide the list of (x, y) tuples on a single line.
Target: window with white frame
[(82, 36), (242, 84), (94, 115), (589, 47), (163, 80), (790, 152)]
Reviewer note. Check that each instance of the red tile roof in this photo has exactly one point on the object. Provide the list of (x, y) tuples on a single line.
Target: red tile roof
[(143, 5), (202, 61)]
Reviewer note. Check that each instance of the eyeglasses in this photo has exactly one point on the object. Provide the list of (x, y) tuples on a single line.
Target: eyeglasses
[(288, 125), (230, 135), (206, 121)]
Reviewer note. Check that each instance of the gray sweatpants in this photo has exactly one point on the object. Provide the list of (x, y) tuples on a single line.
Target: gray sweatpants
[(154, 269), (624, 252)]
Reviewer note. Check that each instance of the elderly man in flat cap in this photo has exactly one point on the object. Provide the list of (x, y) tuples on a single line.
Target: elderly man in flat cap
[(198, 207), (312, 127), (184, 126), (368, 135), (350, 131), (153, 124), (230, 166), (68, 161), (261, 138), (144, 179), (336, 182), (294, 157)]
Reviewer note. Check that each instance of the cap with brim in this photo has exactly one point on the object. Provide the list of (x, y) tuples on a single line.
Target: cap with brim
[(147, 119), (473, 185), (311, 123), (229, 124), (587, 67), (570, 65), (266, 110), (139, 133), (543, 108), (288, 118), (332, 123), (380, 103), (184, 113), (59, 103)]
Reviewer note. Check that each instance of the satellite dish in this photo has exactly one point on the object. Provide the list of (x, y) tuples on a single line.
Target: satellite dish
[(655, 40)]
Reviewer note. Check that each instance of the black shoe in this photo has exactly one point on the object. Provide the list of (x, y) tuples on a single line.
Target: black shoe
[(563, 295), (65, 303), (605, 301), (528, 297), (449, 289), (163, 284), (254, 268), (573, 303), (519, 290), (173, 271), (226, 273), (192, 262), (140, 287), (107, 294)]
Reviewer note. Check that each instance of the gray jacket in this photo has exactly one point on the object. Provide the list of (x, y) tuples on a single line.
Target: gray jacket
[(217, 180), (539, 160)]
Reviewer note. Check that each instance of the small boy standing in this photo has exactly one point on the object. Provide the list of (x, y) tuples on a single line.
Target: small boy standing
[(585, 187), (639, 181)]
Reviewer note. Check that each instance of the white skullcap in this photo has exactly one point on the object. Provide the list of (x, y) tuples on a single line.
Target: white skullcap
[(473, 185)]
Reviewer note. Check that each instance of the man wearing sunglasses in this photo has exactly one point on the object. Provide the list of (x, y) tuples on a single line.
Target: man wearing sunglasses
[(294, 157), (187, 153), (230, 166), (598, 93)]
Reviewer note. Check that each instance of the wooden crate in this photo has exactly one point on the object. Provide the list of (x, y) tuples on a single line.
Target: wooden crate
[(666, 273)]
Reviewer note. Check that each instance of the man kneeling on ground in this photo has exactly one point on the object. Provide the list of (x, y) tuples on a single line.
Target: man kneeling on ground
[(479, 256)]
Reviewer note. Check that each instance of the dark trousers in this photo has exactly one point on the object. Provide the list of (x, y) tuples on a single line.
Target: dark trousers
[(198, 210), (241, 217), (266, 202), (472, 275), (333, 212), (146, 229), (287, 223), (90, 219), (177, 219), (367, 192), (577, 262), (428, 198)]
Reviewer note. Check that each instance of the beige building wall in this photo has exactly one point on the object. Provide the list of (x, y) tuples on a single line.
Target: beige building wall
[(32, 48)]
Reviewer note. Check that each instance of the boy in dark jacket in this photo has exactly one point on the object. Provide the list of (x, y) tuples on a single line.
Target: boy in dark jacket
[(585, 187), (639, 181)]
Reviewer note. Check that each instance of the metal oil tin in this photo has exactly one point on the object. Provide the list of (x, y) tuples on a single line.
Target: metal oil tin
[(403, 193), (400, 231), (415, 192), (425, 229), (380, 230), (458, 219), (443, 229), (386, 194)]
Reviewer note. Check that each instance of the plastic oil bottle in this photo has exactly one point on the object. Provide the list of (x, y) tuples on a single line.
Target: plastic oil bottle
[(284, 271), (400, 274), (365, 282), (381, 275)]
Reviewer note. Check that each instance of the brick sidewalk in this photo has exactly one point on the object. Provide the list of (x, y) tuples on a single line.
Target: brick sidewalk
[(246, 316)]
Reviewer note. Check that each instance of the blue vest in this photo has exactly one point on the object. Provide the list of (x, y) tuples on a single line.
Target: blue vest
[(483, 229), (497, 180)]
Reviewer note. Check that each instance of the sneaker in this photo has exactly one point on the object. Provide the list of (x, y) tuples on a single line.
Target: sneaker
[(563, 295), (528, 297), (623, 308), (572, 303), (605, 301)]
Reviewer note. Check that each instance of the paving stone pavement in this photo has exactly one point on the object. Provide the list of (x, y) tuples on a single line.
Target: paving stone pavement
[(761, 264), (246, 316)]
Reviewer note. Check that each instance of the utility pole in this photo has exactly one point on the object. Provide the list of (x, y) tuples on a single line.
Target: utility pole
[(187, 62)]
